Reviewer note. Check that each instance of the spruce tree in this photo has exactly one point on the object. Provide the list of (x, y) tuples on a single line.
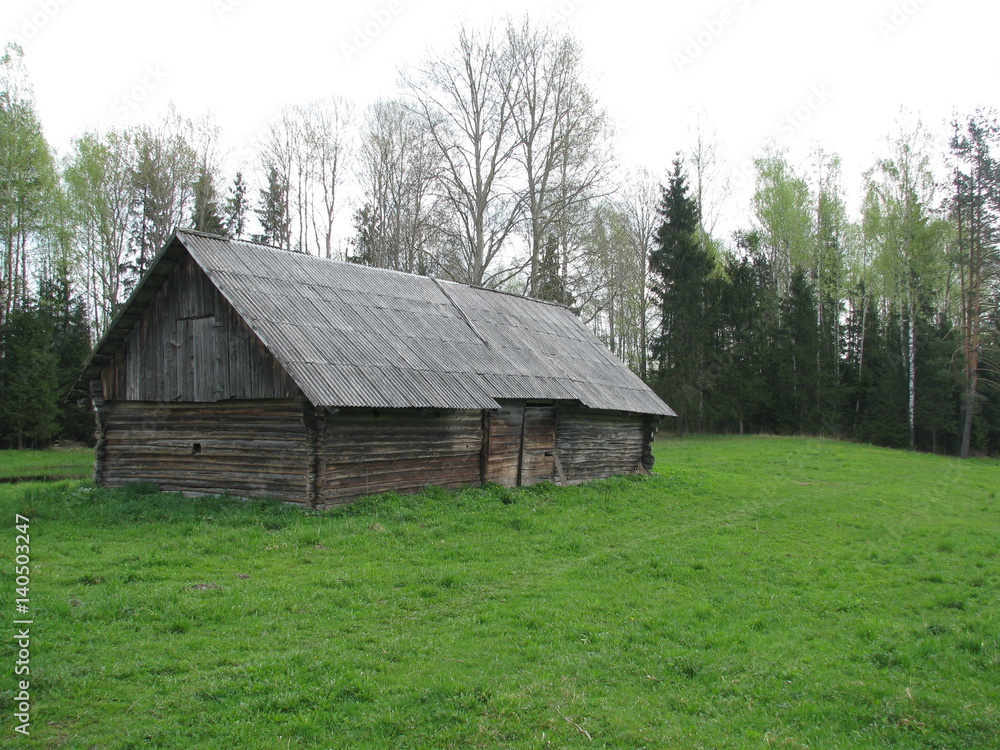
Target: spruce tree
[(680, 269), (28, 380), (236, 208), (206, 217), (273, 212)]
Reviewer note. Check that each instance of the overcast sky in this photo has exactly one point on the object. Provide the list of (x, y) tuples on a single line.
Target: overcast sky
[(798, 73)]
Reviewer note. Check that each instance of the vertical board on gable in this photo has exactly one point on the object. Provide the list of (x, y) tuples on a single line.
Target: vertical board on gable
[(189, 345)]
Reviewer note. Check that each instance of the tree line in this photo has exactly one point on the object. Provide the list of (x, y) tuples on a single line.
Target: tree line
[(493, 167), (883, 329)]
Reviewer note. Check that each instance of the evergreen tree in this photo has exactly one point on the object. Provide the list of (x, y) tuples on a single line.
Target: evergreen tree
[(273, 212), (976, 212), (236, 208), (798, 347), (64, 317), (205, 216), (549, 283), (749, 314), (680, 269), (28, 380)]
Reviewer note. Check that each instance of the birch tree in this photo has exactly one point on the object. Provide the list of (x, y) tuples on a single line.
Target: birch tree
[(398, 167), (467, 103), (28, 183), (561, 133), (899, 220), (100, 186)]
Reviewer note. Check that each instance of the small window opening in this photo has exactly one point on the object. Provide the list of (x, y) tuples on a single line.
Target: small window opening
[(195, 449)]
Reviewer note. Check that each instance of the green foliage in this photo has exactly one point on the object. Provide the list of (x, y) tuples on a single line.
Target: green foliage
[(206, 215), (28, 380), (752, 593), (273, 212), (549, 282), (236, 208), (686, 298)]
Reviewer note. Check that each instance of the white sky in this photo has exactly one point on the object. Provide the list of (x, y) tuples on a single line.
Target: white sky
[(798, 72)]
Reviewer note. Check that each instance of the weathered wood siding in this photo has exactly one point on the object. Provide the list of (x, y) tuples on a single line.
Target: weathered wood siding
[(400, 449), (190, 345), (245, 448), (596, 444)]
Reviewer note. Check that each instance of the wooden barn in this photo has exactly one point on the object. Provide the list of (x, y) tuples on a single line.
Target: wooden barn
[(244, 369)]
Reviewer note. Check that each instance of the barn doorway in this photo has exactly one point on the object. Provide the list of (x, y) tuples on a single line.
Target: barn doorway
[(538, 445), (520, 444)]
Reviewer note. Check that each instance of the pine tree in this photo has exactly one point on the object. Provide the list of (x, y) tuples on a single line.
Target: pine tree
[(64, 317), (799, 347), (976, 211), (549, 283)]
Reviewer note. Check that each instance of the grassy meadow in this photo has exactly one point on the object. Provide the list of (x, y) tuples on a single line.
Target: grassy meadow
[(49, 465), (754, 593)]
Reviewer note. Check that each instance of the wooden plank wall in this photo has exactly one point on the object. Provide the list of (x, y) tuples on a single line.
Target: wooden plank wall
[(190, 345), (504, 444), (400, 449), (248, 448), (596, 444)]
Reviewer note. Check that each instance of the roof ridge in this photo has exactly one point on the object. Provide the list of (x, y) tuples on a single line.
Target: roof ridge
[(223, 238)]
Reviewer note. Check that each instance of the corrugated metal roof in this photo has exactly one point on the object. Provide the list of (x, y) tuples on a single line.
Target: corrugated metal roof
[(351, 335)]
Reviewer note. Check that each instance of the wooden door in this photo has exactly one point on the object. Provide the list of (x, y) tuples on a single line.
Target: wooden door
[(538, 445)]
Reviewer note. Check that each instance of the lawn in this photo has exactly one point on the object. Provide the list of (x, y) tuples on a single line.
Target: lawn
[(754, 593), (60, 463)]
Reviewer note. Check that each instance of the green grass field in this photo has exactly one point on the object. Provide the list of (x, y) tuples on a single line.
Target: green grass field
[(755, 593), (63, 463)]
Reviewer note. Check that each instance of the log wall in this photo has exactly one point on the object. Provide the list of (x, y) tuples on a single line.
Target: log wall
[(247, 449), (596, 444), (364, 451), (190, 345), (289, 450)]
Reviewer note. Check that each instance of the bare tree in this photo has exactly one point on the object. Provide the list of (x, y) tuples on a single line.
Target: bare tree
[(562, 134), (304, 154), (711, 187), (636, 208), (398, 168), (466, 102), (326, 126)]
